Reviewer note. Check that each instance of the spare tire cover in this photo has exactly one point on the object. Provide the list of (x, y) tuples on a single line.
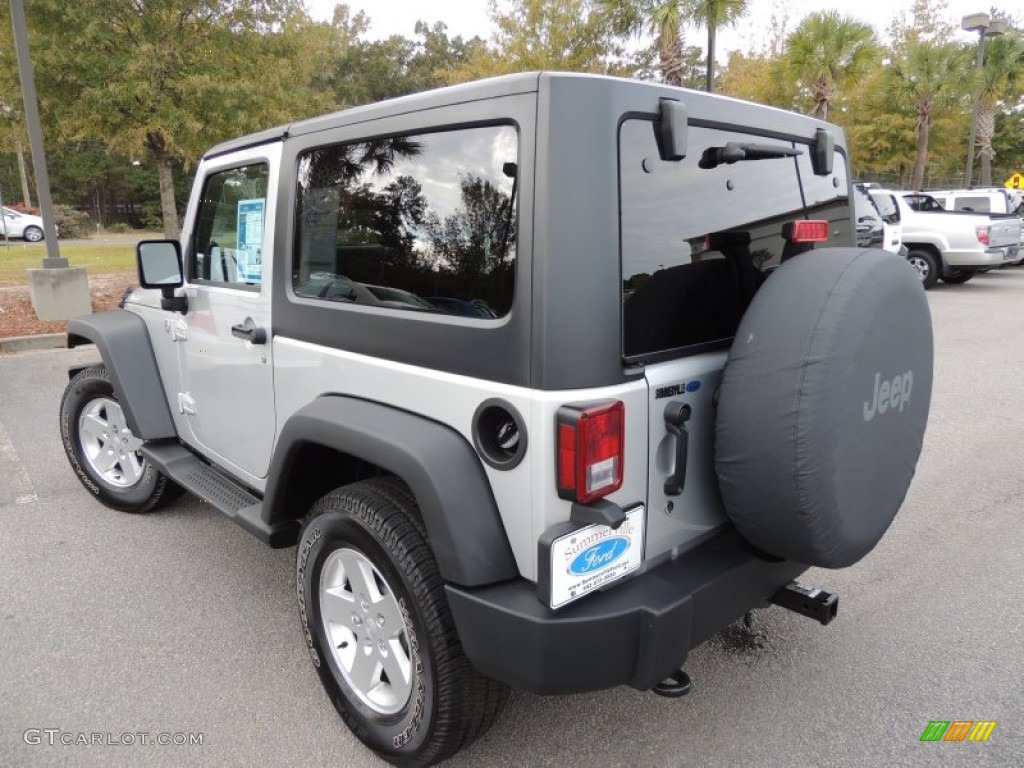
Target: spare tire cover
[(823, 405)]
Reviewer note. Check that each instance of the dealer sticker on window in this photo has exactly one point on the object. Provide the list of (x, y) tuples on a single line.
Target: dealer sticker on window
[(592, 557)]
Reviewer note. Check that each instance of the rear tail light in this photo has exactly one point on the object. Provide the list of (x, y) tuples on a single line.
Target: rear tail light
[(590, 450), (982, 231), (809, 231)]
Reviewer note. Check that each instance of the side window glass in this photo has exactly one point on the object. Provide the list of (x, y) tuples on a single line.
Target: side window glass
[(227, 246), (422, 223)]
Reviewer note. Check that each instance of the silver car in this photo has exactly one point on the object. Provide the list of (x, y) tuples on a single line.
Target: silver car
[(22, 225)]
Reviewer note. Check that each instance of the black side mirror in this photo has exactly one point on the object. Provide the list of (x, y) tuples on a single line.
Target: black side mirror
[(160, 267)]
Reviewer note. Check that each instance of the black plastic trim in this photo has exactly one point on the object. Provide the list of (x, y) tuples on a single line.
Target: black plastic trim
[(488, 453), (636, 633), (439, 465), (189, 471), (123, 342)]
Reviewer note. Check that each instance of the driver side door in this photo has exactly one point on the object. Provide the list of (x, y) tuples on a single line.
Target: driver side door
[(226, 357)]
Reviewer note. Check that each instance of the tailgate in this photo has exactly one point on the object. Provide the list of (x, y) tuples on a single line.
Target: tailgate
[(680, 521), (1004, 231)]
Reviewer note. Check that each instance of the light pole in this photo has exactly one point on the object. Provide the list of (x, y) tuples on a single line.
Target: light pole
[(985, 27), (57, 291)]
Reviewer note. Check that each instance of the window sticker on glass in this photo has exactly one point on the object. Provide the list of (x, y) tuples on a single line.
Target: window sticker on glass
[(250, 239)]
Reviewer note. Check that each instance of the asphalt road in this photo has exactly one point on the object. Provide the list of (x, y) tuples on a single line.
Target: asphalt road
[(180, 622)]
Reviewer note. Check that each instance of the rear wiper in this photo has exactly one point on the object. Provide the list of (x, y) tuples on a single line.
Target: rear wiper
[(733, 152)]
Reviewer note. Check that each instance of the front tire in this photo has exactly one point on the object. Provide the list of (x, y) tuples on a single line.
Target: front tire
[(102, 449), (927, 266), (379, 630), (33, 234)]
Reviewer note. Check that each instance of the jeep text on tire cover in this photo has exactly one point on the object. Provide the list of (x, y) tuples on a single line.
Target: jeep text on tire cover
[(518, 364)]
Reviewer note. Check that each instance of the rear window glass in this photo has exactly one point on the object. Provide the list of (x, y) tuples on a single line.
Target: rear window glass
[(698, 242), (972, 204)]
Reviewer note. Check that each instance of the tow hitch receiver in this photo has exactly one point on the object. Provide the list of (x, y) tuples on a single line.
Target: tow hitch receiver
[(808, 601)]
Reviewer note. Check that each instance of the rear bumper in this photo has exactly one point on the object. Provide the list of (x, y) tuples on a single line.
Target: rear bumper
[(634, 634), (990, 257)]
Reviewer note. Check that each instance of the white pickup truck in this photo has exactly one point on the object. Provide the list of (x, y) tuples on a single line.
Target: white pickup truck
[(952, 245), (981, 200), (995, 201)]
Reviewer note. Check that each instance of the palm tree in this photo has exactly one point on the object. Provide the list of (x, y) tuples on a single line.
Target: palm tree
[(1002, 79), (931, 77), (714, 14), (664, 19), (828, 52)]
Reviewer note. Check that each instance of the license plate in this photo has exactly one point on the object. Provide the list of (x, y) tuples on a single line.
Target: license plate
[(592, 557)]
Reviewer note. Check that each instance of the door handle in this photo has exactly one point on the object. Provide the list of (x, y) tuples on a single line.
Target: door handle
[(676, 416), (249, 332)]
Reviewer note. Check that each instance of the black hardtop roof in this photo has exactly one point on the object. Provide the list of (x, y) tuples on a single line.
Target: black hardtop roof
[(493, 87), (718, 109)]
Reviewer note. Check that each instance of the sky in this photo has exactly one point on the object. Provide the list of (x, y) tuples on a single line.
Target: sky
[(469, 17)]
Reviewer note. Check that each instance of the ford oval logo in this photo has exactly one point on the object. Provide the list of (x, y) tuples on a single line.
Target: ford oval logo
[(692, 386), (599, 555)]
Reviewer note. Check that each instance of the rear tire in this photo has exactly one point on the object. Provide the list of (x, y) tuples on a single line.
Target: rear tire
[(958, 276), (379, 629), (927, 266), (102, 449)]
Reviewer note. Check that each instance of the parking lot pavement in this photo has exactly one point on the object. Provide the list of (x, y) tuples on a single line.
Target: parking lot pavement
[(179, 622)]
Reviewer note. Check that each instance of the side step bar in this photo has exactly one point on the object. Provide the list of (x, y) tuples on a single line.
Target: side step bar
[(811, 602), (221, 492)]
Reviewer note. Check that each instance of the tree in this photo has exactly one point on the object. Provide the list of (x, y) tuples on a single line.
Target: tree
[(645, 65), (928, 22), (755, 77), (1001, 89), (167, 77), (826, 53), (931, 78), (1008, 143), (664, 20), (713, 14), (541, 34), (476, 237), (358, 72)]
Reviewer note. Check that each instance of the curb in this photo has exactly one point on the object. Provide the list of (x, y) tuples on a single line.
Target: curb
[(16, 344)]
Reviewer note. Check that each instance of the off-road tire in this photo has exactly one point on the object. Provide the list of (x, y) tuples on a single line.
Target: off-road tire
[(90, 389), (449, 704)]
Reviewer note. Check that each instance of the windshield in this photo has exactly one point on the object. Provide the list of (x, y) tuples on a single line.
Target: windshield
[(864, 206), (886, 205)]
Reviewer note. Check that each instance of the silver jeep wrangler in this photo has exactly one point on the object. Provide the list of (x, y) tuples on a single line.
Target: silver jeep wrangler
[(548, 378)]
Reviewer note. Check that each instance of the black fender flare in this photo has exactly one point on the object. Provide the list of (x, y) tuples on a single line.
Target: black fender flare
[(124, 345), (439, 465)]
